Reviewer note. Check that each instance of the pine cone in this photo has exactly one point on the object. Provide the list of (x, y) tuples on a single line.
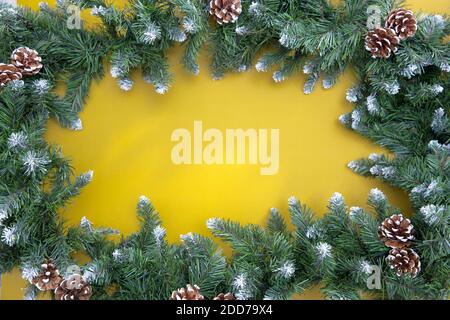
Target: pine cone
[(73, 288), (48, 278), (404, 261), (403, 22), (8, 72), (226, 296), (27, 60), (188, 293), (225, 11), (382, 42), (396, 232)]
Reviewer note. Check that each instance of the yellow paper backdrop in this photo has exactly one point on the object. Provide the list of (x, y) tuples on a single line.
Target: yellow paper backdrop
[(126, 141)]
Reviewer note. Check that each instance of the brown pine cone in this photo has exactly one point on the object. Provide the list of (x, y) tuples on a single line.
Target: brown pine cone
[(382, 42), (73, 288), (27, 60), (404, 261), (403, 22), (226, 296), (188, 293), (48, 278), (396, 231), (225, 11), (8, 72)]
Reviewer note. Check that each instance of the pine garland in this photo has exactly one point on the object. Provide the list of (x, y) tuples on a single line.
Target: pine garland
[(401, 103)]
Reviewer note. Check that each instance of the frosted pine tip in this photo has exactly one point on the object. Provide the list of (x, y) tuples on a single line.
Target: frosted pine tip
[(278, 76), (287, 270), (117, 254), (434, 144), (431, 213), (240, 282), (439, 20), (177, 35), (375, 170), (437, 88), (143, 200), (33, 162), (29, 273), (344, 118), (126, 84), (196, 70), (439, 120), (254, 8), (308, 68), (242, 68), (89, 175), (159, 233), (375, 157), (98, 11), (261, 66), (91, 274), (353, 165), (3, 214), (161, 89), (217, 76), (16, 85), (187, 237), (352, 95), (433, 186), (189, 25), (17, 140), (365, 267), (241, 30), (388, 172), (445, 66), (284, 41), (327, 83), (337, 199), (85, 223), (293, 201), (77, 125), (356, 119), (151, 34), (41, 86), (116, 71), (355, 211), (372, 104), (9, 236), (392, 87), (43, 5)]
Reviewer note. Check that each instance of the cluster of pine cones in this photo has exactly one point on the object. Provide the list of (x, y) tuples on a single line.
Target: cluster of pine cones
[(397, 233), (192, 292), (74, 287), (382, 42), (24, 62)]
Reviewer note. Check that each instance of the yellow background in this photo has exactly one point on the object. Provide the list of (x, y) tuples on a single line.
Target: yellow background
[(126, 141)]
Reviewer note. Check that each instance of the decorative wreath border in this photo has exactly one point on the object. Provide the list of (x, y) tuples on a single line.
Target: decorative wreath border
[(401, 103)]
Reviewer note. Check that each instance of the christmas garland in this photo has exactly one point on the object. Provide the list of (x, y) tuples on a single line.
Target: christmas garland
[(401, 103)]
